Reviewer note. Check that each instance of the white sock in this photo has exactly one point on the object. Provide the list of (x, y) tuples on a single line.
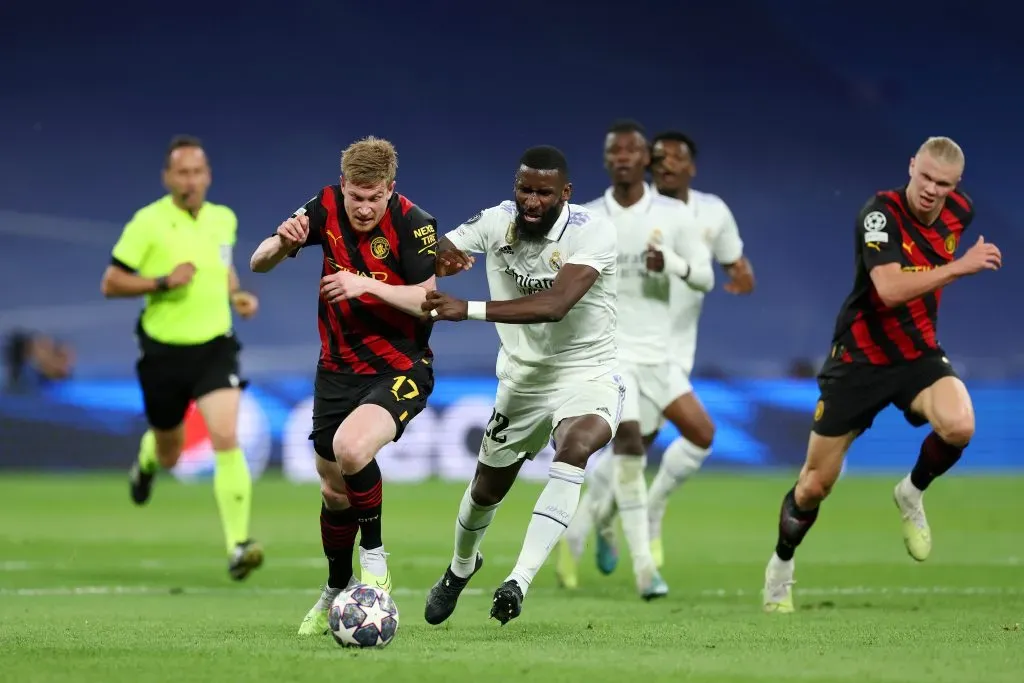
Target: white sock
[(679, 462), (776, 564), (595, 497), (552, 514), (470, 527), (631, 498), (910, 493)]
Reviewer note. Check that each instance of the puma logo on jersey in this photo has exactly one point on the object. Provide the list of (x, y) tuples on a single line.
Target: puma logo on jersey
[(909, 248)]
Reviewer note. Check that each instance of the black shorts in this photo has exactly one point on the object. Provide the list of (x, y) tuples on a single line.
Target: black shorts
[(335, 395), (852, 394), (172, 376)]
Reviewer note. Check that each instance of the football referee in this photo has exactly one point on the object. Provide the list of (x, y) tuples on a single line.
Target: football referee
[(176, 252)]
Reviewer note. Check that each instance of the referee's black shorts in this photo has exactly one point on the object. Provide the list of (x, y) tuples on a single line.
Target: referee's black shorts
[(853, 394), (172, 376)]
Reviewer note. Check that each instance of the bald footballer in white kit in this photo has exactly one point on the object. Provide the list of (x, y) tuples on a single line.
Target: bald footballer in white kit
[(551, 269)]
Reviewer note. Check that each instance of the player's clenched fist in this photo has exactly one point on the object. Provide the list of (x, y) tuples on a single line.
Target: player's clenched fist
[(444, 307), (981, 256), (294, 231)]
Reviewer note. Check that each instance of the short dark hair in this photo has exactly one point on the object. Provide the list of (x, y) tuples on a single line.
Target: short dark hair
[(545, 158), (180, 142), (627, 126), (677, 136)]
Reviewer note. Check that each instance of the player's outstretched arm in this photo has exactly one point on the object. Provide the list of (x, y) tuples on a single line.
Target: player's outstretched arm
[(290, 236), (406, 298), (896, 286), (548, 306), (121, 281), (121, 278)]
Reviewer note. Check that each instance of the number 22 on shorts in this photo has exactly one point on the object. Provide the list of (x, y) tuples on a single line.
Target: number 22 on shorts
[(495, 426)]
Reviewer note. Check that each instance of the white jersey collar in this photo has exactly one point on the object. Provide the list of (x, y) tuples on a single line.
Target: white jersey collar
[(615, 208)]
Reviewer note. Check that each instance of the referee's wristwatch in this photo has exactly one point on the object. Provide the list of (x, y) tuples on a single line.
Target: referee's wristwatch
[(161, 284)]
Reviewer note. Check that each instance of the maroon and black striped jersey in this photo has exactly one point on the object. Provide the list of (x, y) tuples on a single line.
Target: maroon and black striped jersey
[(366, 336), (868, 331)]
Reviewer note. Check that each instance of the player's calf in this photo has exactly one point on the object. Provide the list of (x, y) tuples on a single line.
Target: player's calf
[(681, 460), (339, 524), (946, 405), (356, 444), (479, 504), (630, 487), (159, 448), (576, 439), (798, 513), (232, 482)]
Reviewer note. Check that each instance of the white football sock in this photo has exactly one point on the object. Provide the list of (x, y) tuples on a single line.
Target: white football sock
[(679, 462), (604, 495), (595, 497), (631, 498), (552, 514), (470, 527)]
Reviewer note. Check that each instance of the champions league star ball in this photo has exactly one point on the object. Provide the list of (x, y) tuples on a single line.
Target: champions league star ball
[(363, 616)]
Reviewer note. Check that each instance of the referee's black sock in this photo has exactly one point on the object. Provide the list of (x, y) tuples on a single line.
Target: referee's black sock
[(364, 489), (936, 458), (794, 524), (338, 529)]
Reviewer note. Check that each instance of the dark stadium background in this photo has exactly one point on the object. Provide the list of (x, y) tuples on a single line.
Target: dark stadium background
[(800, 111)]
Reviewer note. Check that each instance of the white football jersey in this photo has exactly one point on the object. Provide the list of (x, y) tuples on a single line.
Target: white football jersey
[(644, 297), (722, 236), (581, 345)]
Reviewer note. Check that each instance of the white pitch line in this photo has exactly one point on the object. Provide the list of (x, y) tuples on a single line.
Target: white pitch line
[(833, 591), (436, 561), (317, 562), (67, 591)]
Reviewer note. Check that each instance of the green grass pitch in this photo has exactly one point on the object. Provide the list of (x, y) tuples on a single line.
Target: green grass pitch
[(94, 590)]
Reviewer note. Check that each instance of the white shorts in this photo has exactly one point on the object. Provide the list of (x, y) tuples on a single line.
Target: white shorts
[(522, 423), (649, 390)]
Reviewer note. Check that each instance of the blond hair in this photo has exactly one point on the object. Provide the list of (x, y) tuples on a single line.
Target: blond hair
[(369, 161), (943, 149)]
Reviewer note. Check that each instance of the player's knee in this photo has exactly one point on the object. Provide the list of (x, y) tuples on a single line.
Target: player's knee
[(573, 452), (703, 434), (628, 439), (957, 430), (813, 487), (223, 437), (353, 451), (483, 494)]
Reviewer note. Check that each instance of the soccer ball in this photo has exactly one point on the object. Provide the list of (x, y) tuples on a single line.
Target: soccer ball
[(363, 616)]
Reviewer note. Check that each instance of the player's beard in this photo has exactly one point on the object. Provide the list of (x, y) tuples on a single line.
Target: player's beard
[(533, 231)]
